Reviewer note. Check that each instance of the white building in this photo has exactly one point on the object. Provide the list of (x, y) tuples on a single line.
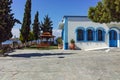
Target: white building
[(89, 35)]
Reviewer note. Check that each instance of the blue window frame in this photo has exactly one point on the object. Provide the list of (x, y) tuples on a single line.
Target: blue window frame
[(80, 34), (90, 34), (100, 35)]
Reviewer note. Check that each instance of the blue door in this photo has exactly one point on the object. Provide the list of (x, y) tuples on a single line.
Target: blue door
[(113, 38)]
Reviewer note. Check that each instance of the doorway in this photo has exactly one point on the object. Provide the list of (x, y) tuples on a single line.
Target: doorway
[(113, 38)]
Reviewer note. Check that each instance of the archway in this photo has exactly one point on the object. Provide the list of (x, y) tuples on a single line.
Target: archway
[(113, 36)]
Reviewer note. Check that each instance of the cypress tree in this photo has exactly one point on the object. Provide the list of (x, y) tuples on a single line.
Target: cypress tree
[(36, 26), (25, 29), (31, 36), (7, 20)]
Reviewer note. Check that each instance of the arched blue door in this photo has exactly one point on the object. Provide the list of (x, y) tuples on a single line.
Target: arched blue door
[(113, 38)]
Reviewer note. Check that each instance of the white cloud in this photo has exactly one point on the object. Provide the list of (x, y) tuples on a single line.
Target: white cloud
[(57, 33), (16, 32)]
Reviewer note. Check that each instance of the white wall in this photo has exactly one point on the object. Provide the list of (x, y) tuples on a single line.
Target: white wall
[(73, 24)]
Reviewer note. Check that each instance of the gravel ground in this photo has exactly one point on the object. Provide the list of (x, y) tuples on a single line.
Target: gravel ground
[(61, 65)]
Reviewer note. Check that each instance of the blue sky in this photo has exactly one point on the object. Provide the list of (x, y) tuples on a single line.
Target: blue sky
[(56, 9)]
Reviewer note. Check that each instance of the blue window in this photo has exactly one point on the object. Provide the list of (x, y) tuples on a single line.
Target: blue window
[(90, 35), (80, 34), (100, 35)]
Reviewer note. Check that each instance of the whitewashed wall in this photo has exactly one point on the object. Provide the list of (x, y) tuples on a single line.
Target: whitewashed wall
[(74, 23)]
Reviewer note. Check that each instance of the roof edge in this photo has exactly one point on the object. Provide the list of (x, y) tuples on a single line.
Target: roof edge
[(74, 16)]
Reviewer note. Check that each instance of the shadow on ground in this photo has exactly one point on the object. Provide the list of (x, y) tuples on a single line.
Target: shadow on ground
[(28, 55)]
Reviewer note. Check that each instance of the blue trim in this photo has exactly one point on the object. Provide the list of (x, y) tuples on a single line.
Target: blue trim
[(93, 30), (114, 28), (119, 37), (79, 28), (65, 38), (82, 28), (95, 34), (85, 36), (75, 16), (90, 28), (62, 34), (103, 34), (112, 41)]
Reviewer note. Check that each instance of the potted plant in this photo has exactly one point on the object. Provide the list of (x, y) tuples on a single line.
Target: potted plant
[(72, 44), (59, 42)]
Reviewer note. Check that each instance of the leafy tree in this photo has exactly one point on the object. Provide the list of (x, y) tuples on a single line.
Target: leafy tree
[(25, 30), (113, 7), (7, 20), (46, 25), (105, 11), (59, 40), (36, 27)]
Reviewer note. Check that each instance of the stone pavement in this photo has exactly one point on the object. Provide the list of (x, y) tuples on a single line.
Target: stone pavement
[(61, 65)]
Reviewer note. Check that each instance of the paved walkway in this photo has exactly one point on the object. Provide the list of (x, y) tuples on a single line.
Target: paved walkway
[(61, 65)]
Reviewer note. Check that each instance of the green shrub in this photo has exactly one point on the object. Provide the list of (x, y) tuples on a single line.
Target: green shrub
[(72, 41), (59, 40)]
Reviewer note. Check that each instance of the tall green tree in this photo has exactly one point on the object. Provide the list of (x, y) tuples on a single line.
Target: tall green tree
[(21, 38), (105, 11), (7, 20), (31, 36), (46, 26), (25, 29), (36, 26)]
